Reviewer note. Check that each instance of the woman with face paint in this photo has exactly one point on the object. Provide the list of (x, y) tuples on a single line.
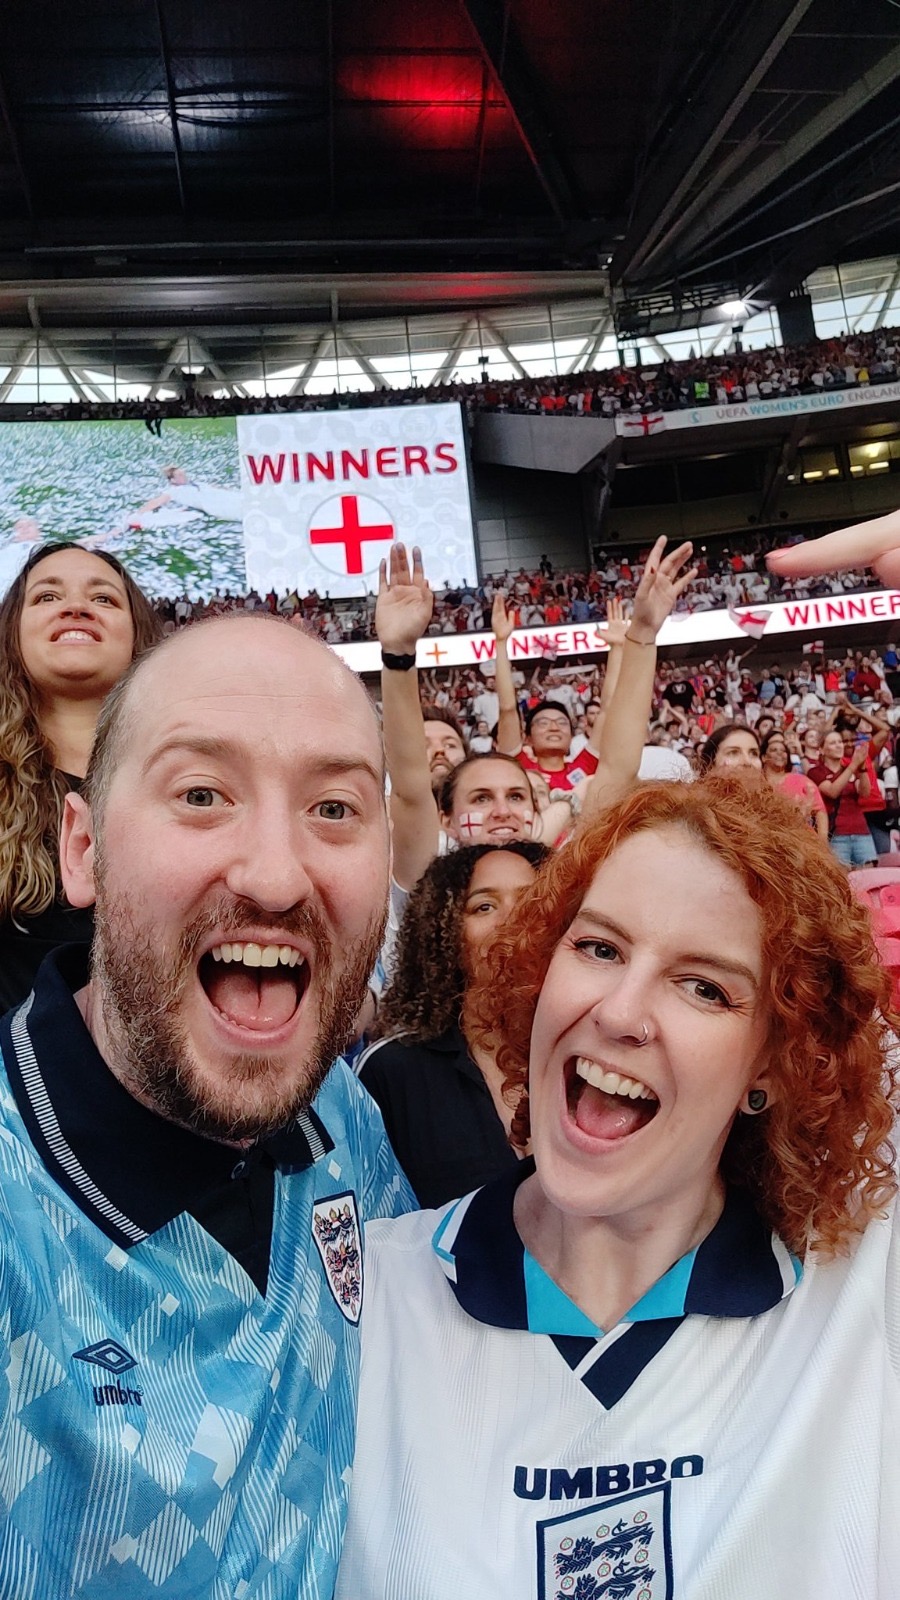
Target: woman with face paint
[(651, 1359)]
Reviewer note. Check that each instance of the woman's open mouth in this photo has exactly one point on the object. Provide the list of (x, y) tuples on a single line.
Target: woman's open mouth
[(604, 1103), (254, 985)]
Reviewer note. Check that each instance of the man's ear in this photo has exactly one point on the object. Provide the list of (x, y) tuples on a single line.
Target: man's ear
[(76, 851)]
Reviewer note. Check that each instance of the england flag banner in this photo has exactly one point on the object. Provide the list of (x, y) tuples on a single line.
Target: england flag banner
[(326, 494)]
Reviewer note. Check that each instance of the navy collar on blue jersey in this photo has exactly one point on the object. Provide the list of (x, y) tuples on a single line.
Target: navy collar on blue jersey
[(740, 1269), (126, 1168)]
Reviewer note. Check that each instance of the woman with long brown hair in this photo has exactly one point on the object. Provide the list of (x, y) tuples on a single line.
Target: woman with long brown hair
[(70, 624)]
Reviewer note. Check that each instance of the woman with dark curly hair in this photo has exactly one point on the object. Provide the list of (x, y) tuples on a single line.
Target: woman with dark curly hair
[(675, 1328), (442, 1102), (69, 626)]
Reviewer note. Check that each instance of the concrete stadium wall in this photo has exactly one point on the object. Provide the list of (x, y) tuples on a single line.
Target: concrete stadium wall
[(797, 503), (543, 444), (520, 516)]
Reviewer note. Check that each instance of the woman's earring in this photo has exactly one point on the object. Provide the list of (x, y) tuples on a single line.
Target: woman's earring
[(757, 1099)]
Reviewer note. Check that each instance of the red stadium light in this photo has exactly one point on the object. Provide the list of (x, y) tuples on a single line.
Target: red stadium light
[(433, 101)]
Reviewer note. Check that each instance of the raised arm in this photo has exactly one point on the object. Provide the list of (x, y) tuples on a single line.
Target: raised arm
[(833, 788), (625, 726), (402, 613), (879, 729), (615, 628), (509, 727)]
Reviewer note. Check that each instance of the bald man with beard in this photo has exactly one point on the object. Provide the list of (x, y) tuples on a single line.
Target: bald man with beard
[(185, 1166)]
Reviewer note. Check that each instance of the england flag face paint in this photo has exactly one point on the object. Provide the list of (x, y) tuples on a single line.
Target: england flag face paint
[(469, 827)]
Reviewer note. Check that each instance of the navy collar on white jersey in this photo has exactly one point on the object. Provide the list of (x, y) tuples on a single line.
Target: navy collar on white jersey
[(126, 1168), (741, 1269)]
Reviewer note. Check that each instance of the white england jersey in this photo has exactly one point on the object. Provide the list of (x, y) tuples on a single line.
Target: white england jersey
[(736, 1437)]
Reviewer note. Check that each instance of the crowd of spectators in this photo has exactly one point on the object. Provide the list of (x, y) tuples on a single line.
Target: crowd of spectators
[(735, 576), (802, 697), (847, 361)]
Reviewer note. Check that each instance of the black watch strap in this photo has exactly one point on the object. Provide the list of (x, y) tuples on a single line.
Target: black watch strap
[(397, 663)]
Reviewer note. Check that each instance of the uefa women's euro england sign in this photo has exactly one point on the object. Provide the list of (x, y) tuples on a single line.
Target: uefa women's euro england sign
[(326, 494)]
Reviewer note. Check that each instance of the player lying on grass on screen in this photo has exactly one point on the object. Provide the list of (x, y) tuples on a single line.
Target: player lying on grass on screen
[(658, 1360), (488, 803)]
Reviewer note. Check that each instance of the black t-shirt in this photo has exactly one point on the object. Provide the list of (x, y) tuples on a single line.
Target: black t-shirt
[(439, 1115), (25, 941), (679, 694)]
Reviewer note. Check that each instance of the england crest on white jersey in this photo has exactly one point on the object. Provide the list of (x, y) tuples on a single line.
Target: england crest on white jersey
[(618, 1549)]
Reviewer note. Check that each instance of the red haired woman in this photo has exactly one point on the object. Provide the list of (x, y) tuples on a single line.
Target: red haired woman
[(660, 1358)]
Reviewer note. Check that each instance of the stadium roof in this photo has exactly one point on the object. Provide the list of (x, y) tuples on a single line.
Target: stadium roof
[(155, 154)]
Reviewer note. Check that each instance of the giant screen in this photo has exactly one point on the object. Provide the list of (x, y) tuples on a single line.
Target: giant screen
[(305, 500)]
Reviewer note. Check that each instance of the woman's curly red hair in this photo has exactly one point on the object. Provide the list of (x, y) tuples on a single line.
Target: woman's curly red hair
[(819, 1163)]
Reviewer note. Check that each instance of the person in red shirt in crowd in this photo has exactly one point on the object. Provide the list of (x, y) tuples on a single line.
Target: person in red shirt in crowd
[(548, 728), (831, 678), (851, 725), (553, 611), (866, 682), (842, 783)]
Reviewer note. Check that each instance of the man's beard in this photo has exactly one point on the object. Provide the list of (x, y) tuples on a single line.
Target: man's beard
[(141, 991)]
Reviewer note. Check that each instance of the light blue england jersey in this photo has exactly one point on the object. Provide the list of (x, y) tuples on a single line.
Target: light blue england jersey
[(164, 1429)]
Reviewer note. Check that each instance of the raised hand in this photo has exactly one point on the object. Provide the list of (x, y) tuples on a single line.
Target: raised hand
[(866, 544), (616, 625), (503, 617), (405, 603), (858, 758), (661, 586)]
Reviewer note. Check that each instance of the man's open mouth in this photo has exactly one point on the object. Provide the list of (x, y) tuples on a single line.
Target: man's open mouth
[(254, 985), (605, 1104)]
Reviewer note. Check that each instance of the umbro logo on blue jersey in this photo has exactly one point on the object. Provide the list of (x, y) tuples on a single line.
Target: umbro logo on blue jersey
[(107, 1353), (114, 1358)]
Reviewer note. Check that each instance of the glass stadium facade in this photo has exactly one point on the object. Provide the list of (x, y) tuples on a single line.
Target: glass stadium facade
[(341, 353)]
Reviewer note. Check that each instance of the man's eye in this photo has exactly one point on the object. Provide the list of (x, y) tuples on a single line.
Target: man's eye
[(334, 810), (201, 799)]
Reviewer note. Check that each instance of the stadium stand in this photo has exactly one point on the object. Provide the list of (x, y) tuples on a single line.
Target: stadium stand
[(847, 362)]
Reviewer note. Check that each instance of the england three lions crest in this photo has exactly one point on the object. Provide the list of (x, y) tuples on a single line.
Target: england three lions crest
[(617, 1549), (335, 1228)]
